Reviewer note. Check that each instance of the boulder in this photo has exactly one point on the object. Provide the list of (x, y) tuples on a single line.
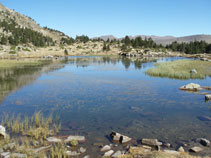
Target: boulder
[(193, 71), (119, 137), (2, 132), (208, 97), (105, 148), (108, 153), (78, 138), (117, 154), (191, 87), (204, 141), (54, 140), (151, 142), (196, 149)]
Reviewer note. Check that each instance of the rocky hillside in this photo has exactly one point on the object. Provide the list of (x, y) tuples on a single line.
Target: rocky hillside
[(23, 22)]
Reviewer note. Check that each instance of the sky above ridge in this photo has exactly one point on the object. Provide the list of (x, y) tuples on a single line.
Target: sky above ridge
[(119, 17)]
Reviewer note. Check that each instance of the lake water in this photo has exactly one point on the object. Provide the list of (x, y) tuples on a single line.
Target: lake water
[(95, 95)]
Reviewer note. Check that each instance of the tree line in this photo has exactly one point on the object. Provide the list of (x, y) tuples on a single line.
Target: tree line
[(23, 35)]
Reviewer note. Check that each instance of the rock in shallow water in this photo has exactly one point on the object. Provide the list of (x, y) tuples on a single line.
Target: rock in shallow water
[(208, 97), (119, 137), (181, 149), (191, 87)]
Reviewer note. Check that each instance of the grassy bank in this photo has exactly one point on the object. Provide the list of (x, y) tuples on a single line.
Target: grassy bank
[(180, 69), (19, 63)]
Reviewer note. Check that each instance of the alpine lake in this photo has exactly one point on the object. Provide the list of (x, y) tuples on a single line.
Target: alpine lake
[(96, 95)]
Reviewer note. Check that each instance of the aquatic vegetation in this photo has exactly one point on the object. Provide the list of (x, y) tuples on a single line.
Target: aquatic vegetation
[(180, 69)]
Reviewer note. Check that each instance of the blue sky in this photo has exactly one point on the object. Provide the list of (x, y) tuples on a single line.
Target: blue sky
[(119, 17)]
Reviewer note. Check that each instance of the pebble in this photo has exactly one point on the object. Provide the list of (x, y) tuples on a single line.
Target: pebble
[(108, 153), (105, 148)]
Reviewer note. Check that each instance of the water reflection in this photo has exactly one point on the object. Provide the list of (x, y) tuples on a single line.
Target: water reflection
[(95, 95)]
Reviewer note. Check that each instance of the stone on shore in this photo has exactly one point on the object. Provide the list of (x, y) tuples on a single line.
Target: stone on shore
[(54, 140), (208, 97), (116, 154), (191, 87), (78, 138), (105, 148), (119, 137), (181, 149), (108, 153), (151, 142), (5, 155), (2, 132), (196, 149)]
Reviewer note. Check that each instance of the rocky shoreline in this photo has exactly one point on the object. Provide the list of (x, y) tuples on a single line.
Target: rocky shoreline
[(121, 146)]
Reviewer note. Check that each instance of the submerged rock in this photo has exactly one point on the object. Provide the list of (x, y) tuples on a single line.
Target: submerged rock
[(108, 153), (151, 142), (191, 87), (78, 138), (105, 148), (2, 132), (196, 149), (119, 137), (204, 118)]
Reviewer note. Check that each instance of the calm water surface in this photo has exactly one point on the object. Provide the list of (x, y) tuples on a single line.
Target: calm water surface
[(95, 95)]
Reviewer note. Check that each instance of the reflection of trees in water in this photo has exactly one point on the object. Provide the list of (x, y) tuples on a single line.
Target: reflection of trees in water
[(14, 78), (127, 62)]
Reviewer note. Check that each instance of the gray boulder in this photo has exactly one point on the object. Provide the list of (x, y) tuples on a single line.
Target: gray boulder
[(204, 142), (196, 149), (108, 153), (117, 154), (105, 148)]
